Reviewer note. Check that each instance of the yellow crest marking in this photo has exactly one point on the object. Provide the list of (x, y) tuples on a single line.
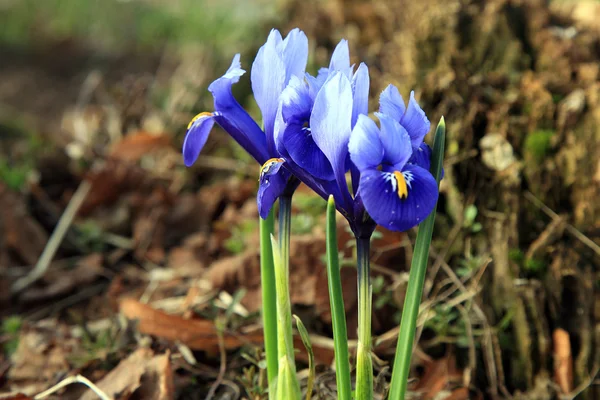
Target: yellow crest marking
[(402, 186), (268, 164), (197, 117)]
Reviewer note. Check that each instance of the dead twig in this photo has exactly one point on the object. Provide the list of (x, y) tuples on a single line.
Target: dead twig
[(223, 367), (568, 227), (583, 386), (70, 380), (55, 240)]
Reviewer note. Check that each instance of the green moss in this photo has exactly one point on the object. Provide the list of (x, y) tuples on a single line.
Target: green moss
[(11, 327), (537, 144), (533, 266), (516, 255), (14, 177)]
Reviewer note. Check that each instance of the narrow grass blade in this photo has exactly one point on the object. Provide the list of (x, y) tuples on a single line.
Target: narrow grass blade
[(338, 311), (416, 281), (311, 356), (269, 300)]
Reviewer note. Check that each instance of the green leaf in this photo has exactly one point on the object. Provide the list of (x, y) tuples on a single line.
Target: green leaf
[(338, 311), (416, 280), (269, 306)]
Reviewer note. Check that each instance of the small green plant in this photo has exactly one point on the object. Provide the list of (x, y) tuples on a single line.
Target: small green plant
[(442, 320), (469, 219), (537, 145), (383, 295), (236, 243), (254, 377), (15, 177), (11, 327)]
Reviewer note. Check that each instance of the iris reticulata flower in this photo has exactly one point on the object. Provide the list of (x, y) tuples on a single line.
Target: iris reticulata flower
[(277, 61), (316, 130), (396, 193)]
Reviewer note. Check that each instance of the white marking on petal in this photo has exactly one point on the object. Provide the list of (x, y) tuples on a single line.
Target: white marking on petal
[(389, 177), (408, 177)]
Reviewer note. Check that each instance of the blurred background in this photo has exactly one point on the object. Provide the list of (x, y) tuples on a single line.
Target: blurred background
[(119, 264)]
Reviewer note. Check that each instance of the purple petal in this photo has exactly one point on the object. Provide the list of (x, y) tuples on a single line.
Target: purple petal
[(196, 137), (365, 146), (273, 180), (379, 193), (415, 121), (315, 84), (230, 115), (296, 103), (421, 157), (396, 143), (360, 87), (268, 81), (391, 103), (304, 152), (295, 54)]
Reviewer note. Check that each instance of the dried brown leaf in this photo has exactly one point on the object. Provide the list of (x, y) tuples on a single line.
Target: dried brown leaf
[(439, 374), (195, 333), (136, 145), (15, 396), (39, 359), (142, 372), (19, 232)]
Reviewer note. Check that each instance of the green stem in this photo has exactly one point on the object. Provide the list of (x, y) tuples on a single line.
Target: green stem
[(338, 311), (284, 310), (416, 280), (364, 364), (269, 300), (285, 218)]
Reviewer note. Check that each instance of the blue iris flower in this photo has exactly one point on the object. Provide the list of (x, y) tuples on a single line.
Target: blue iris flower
[(313, 125), (277, 62), (316, 130), (323, 132), (396, 187)]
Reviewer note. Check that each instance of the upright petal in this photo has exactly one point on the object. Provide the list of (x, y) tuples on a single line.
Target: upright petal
[(392, 103), (330, 123), (272, 182), (365, 146), (415, 121), (382, 199), (196, 137), (268, 81), (340, 59), (396, 143), (360, 90), (421, 157), (232, 117), (295, 54)]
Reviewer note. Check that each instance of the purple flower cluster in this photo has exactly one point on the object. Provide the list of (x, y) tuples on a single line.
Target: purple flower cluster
[(316, 130)]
